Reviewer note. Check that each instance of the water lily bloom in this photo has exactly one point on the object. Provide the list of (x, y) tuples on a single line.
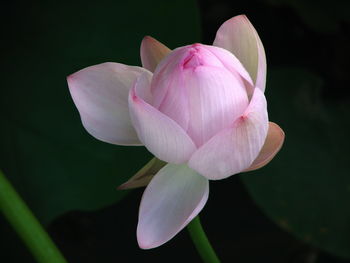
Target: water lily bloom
[(202, 111)]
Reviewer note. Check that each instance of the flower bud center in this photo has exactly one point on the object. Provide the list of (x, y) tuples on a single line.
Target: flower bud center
[(192, 61), (194, 58), (197, 56)]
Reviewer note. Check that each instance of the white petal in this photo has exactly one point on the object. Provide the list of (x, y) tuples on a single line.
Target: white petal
[(161, 135), (238, 36), (215, 97), (100, 93), (234, 149), (171, 200)]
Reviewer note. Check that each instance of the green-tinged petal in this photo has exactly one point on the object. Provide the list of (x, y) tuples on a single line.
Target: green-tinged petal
[(144, 176), (152, 52), (238, 36)]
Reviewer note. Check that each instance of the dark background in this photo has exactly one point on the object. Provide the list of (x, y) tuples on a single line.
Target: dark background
[(294, 210)]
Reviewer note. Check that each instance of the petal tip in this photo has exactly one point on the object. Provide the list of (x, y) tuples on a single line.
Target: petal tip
[(242, 17), (70, 78), (145, 241), (145, 245), (73, 84), (147, 39)]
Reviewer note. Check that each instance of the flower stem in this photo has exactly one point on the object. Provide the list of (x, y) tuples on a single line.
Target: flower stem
[(201, 241), (26, 225)]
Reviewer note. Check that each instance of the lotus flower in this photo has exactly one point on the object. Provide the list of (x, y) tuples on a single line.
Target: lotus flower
[(202, 111)]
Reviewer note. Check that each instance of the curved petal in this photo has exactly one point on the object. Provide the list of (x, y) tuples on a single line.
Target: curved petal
[(174, 101), (235, 148), (143, 88), (230, 61), (161, 135), (100, 93), (171, 200), (171, 101), (272, 145), (238, 36), (215, 98), (152, 52)]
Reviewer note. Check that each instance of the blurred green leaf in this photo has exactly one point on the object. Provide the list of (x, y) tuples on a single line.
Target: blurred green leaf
[(46, 153), (306, 188)]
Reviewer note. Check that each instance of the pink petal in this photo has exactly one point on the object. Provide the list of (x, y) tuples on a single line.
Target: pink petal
[(171, 101), (100, 93), (143, 88), (161, 135), (232, 63), (195, 89), (235, 148), (152, 52), (175, 101), (272, 145), (238, 36), (215, 98), (171, 200)]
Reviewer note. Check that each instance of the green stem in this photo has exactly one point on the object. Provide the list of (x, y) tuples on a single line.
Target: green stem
[(26, 225), (201, 241)]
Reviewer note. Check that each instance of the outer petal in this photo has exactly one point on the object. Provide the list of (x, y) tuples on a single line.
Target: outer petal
[(272, 145), (152, 52), (144, 176), (235, 148), (171, 200), (100, 93), (240, 37), (161, 135)]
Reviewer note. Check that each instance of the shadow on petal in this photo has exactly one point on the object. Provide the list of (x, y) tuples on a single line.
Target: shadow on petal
[(273, 143), (144, 175)]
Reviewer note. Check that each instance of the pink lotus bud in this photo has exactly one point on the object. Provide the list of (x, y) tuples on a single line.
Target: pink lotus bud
[(203, 111), (196, 89)]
